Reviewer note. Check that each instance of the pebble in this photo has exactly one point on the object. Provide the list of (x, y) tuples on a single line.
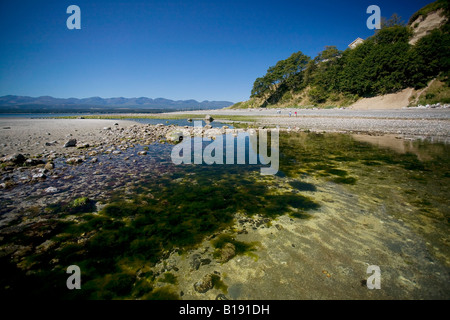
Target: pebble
[(51, 190)]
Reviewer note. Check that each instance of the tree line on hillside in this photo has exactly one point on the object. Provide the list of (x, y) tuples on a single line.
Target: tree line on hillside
[(384, 63)]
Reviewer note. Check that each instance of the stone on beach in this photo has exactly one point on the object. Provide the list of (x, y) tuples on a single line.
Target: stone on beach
[(175, 136), (227, 252), (74, 160), (70, 143), (16, 158), (51, 190)]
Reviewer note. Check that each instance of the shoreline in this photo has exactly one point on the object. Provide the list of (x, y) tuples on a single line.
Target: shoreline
[(34, 137)]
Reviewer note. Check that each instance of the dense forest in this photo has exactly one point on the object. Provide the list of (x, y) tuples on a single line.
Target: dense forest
[(384, 63)]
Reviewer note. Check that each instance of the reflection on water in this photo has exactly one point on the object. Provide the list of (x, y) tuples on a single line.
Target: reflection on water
[(422, 149)]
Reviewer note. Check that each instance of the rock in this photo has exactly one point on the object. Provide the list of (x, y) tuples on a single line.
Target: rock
[(142, 153), (221, 296), (38, 176), (205, 285), (51, 190), (74, 160), (16, 158), (33, 162), (208, 126), (94, 160), (116, 124), (175, 136), (195, 261), (227, 252), (107, 128), (189, 120), (83, 146), (93, 153), (208, 118), (52, 143), (116, 152), (49, 166), (70, 143), (205, 262)]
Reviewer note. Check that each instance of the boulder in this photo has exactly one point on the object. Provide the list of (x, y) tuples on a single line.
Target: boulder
[(49, 166), (208, 118)]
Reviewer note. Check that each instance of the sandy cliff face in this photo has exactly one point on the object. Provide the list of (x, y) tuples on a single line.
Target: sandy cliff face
[(422, 26)]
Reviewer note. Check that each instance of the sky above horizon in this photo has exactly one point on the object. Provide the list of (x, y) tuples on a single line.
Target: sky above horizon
[(202, 50)]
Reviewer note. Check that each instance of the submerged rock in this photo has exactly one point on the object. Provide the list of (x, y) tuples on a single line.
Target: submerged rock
[(204, 285), (227, 252)]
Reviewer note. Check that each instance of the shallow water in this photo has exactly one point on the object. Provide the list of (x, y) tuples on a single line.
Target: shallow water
[(338, 202)]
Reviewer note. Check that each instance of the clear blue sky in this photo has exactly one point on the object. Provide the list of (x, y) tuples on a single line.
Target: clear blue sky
[(203, 50)]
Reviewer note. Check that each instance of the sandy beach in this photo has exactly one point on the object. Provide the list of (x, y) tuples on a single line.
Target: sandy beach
[(30, 136)]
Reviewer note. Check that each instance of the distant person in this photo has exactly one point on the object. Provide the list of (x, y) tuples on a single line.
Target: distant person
[(290, 113), (296, 114)]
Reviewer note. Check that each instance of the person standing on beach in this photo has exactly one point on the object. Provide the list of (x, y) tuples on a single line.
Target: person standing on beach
[(289, 113), (296, 114)]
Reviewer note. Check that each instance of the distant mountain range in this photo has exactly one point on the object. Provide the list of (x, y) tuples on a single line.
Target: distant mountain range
[(44, 104)]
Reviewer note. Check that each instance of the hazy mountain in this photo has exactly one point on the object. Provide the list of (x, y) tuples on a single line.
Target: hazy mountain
[(12, 104)]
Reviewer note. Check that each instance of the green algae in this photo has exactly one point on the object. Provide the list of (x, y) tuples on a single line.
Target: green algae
[(302, 186), (168, 278), (219, 284), (241, 248)]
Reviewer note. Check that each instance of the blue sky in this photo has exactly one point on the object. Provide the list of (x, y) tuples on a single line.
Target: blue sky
[(203, 50)]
